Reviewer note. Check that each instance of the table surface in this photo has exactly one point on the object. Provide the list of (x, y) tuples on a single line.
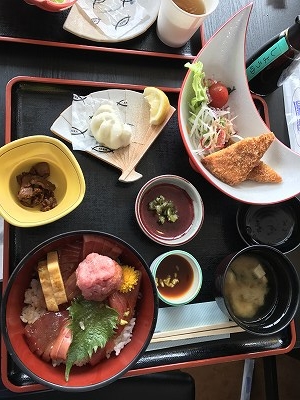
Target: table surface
[(268, 18)]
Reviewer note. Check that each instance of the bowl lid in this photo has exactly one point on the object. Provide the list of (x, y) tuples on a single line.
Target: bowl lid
[(275, 225)]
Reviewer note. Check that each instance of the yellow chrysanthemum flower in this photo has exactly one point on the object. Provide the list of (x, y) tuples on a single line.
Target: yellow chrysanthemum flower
[(129, 279)]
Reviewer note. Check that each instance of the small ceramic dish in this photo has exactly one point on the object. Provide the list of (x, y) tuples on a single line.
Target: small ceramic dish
[(178, 277), (51, 5), (276, 225), (171, 194), (20, 156)]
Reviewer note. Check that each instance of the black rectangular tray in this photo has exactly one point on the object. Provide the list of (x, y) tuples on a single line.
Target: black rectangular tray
[(22, 23), (32, 105)]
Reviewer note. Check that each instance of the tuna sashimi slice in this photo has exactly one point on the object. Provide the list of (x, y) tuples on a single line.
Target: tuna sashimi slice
[(124, 303), (71, 253), (69, 258), (61, 345), (71, 288), (44, 331), (100, 245), (99, 355)]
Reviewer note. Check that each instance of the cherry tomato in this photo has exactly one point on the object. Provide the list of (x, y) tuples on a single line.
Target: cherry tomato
[(218, 94)]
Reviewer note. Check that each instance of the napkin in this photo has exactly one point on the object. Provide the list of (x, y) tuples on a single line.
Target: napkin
[(114, 18), (83, 108), (191, 316)]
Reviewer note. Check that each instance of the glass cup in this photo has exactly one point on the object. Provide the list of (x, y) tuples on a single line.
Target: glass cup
[(175, 25)]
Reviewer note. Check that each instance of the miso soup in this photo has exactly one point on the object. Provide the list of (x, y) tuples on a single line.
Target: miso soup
[(246, 286)]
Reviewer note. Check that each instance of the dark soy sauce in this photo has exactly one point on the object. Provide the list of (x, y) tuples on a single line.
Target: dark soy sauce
[(177, 267)]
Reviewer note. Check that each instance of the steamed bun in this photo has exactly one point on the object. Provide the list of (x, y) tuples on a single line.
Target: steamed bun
[(108, 128)]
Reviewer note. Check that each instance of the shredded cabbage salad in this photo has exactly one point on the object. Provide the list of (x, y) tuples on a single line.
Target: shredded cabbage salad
[(210, 127)]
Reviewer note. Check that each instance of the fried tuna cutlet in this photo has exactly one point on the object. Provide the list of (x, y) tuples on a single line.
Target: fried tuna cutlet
[(233, 164), (264, 173)]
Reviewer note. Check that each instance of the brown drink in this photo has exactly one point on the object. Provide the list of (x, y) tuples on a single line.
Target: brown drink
[(196, 7)]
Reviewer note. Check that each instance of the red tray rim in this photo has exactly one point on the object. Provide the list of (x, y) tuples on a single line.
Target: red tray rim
[(187, 364), (51, 43)]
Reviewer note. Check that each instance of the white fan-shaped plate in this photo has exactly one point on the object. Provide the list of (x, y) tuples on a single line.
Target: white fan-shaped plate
[(136, 112), (77, 24), (223, 58)]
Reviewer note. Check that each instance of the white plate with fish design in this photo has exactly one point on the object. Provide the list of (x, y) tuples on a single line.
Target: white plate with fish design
[(135, 111), (79, 23)]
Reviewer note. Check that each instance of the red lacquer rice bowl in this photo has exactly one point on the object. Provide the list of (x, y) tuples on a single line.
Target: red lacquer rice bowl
[(86, 377)]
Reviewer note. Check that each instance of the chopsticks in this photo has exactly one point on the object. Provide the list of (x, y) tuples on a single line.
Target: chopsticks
[(190, 333)]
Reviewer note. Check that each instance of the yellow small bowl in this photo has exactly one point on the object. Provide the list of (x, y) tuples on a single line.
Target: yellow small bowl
[(19, 156)]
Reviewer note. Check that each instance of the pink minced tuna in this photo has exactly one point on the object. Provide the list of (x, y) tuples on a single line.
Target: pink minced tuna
[(98, 276)]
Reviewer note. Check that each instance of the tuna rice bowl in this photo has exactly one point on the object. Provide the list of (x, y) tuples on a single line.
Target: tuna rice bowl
[(83, 305)]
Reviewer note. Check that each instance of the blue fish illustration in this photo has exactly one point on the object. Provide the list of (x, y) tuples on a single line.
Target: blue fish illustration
[(96, 20), (131, 2), (102, 149), (77, 97), (123, 22), (76, 132), (122, 103), (98, 2)]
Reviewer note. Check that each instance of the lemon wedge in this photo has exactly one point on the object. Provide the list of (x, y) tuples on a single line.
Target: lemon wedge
[(159, 104)]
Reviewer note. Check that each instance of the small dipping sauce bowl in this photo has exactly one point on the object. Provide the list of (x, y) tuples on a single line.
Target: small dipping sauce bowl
[(178, 277), (276, 225), (258, 288), (184, 199)]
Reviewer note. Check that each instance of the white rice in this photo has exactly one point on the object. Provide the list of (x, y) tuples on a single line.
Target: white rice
[(124, 337), (35, 301)]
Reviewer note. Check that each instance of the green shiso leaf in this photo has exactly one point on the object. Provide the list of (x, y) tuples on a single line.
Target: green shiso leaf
[(92, 325)]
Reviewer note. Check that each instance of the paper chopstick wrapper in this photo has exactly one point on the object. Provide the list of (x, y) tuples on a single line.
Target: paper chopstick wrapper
[(113, 17), (191, 321), (191, 324), (224, 328)]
